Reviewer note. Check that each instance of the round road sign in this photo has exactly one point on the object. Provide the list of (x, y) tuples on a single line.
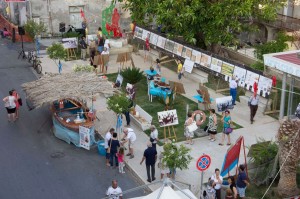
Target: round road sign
[(203, 162)]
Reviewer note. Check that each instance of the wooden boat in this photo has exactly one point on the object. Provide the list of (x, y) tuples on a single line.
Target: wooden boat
[(72, 114)]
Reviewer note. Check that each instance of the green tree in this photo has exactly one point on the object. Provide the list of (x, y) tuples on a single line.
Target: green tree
[(34, 29), (56, 52), (278, 45), (205, 23), (176, 157)]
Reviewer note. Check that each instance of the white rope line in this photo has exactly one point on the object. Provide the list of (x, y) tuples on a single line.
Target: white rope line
[(281, 165)]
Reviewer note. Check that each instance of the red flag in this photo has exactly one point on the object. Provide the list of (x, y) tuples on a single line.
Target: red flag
[(82, 14)]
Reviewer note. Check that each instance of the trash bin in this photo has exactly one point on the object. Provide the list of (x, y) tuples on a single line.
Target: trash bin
[(101, 148)]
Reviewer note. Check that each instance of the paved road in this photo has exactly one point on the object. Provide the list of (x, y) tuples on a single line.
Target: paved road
[(34, 163)]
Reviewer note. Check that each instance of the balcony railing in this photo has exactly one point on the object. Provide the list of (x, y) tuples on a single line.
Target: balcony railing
[(284, 22)]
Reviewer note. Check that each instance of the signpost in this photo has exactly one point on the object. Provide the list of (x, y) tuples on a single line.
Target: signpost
[(202, 164)]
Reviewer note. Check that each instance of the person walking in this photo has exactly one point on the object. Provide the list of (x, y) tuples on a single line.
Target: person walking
[(232, 186), (147, 48), (253, 104), (158, 67), (83, 47), (226, 127), (189, 135), (233, 89), (212, 125), (180, 69), (130, 137), (18, 104), (114, 145), (114, 191), (242, 183), (153, 136), (10, 105), (218, 180), (105, 52), (108, 136), (120, 156), (150, 155)]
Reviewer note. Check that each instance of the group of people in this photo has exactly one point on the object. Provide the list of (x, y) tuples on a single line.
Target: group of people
[(211, 128), (236, 187), (12, 103)]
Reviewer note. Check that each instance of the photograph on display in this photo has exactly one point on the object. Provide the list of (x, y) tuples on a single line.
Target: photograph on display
[(139, 32), (227, 69), (136, 31), (145, 34), (153, 38), (188, 53), (161, 41), (196, 56), (167, 118), (69, 43), (250, 79), (264, 86), (169, 45), (224, 103), (240, 75), (188, 65), (216, 65), (84, 137), (205, 60), (91, 38), (178, 49), (297, 112)]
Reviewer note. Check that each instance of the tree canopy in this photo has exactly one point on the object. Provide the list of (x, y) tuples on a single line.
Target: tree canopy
[(204, 22)]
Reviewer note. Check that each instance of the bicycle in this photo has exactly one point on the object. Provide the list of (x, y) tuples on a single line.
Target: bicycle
[(30, 56), (36, 64)]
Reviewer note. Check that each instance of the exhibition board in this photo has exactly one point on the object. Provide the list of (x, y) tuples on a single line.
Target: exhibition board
[(218, 66)]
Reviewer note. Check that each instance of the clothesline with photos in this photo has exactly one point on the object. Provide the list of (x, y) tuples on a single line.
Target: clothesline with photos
[(194, 58)]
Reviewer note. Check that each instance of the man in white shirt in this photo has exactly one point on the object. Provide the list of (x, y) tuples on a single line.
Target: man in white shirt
[(218, 180), (108, 136), (233, 89), (130, 137), (114, 191), (253, 104)]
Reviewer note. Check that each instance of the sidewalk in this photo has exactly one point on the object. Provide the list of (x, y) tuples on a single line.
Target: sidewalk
[(264, 126)]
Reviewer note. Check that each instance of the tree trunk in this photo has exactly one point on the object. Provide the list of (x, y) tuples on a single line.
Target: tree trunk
[(289, 145)]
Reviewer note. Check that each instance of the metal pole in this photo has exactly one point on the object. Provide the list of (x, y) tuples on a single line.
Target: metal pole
[(290, 102), (201, 187), (187, 111), (282, 101)]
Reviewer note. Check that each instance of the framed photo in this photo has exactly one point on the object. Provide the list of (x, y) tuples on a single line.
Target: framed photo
[(167, 118), (224, 103), (69, 43), (216, 65), (205, 60)]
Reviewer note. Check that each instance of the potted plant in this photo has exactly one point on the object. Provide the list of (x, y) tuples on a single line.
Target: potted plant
[(132, 75), (176, 157)]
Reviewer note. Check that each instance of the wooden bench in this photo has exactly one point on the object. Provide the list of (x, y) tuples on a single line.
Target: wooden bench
[(144, 120)]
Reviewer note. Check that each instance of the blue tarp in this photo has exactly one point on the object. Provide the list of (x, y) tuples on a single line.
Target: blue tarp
[(70, 136)]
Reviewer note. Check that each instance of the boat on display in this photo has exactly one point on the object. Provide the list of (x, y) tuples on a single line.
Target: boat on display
[(71, 114)]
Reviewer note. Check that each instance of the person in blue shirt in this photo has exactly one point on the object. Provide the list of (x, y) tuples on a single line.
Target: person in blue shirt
[(226, 126), (242, 182)]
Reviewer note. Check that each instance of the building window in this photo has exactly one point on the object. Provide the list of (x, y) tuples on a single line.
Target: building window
[(75, 17)]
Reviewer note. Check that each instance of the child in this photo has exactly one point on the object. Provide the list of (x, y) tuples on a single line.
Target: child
[(120, 156), (210, 192), (158, 69)]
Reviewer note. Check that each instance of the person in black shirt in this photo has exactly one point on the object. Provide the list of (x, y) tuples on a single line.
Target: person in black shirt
[(114, 144), (83, 47), (150, 155)]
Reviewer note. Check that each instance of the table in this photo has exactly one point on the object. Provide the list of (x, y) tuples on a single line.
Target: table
[(148, 72)]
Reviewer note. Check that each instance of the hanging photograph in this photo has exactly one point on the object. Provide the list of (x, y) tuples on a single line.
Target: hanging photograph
[(91, 38), (161, 41), (205, 60), (196, 56), (69, 43), (227, 69), (167, 118), (153, 38), (169, 45), (145, 34), (178, 49), (250, 79), (139, 32), (216, 65), (136, 31), (188, 53), (224, 103), (188, 65), (264, 86), (240, 75)]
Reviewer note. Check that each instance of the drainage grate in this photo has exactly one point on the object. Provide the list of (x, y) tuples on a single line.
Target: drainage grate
[(57, 155)]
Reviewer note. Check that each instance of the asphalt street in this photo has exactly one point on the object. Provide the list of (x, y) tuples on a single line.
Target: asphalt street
[(34, 164)]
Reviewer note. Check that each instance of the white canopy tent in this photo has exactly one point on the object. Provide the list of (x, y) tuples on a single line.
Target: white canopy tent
[(288, 63)]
